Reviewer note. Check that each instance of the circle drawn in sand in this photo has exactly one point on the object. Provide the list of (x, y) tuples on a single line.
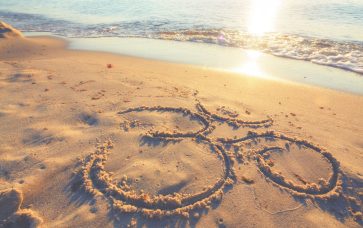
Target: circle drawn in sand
[(98, 181), (324, 189)]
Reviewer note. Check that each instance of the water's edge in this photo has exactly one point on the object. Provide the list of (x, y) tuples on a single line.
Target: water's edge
[(246, 62)]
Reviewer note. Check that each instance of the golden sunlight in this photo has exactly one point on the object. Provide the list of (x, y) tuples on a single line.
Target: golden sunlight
[(251, 67), (262, 16)]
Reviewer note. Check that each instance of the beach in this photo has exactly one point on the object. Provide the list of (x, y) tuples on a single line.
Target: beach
[(94, 139)]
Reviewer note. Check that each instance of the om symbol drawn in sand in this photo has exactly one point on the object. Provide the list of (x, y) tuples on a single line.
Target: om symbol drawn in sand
[(123, 198)]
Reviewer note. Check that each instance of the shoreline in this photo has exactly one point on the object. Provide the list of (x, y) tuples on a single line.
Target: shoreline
[(60, 105), (226, 59)]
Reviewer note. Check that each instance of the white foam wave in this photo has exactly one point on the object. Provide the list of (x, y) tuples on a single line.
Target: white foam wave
[(347, 55)]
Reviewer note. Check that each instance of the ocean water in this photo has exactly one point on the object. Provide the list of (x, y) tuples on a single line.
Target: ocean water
[(326, 32)]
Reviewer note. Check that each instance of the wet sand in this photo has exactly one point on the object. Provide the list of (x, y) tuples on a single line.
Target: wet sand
[(92, 139)]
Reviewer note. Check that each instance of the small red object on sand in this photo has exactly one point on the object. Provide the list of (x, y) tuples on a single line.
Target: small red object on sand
[(109, 65)]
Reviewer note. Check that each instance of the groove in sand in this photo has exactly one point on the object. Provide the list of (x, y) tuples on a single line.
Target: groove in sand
[(97, 181)]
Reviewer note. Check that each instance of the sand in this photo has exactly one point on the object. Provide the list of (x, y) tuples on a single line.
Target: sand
[(7, 31), (91, 139)]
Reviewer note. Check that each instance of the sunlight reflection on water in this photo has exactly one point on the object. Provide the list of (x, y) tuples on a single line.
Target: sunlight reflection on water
[(262, 16)]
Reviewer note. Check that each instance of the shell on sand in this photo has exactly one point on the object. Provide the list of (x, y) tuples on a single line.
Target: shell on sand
[(7, 31)]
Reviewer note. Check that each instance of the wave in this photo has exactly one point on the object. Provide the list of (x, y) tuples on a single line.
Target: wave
[(346, 55)]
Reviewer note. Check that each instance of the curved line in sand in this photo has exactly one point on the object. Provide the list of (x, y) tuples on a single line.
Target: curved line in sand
[(236, 122), (331, 189), (156, 134), (97, 180)]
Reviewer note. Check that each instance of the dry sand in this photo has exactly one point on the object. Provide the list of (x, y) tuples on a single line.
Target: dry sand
[(7, 31), (147, 143)]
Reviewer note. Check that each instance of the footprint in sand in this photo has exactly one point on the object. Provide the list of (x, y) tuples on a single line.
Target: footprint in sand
[(27, 76), (11, 214), (37, 137), (89, 119)]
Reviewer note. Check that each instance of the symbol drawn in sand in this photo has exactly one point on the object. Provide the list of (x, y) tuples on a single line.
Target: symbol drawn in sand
[(97, 181)]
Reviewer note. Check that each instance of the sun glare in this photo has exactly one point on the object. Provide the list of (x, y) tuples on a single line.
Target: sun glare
[(262, 16), (251, 67)]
